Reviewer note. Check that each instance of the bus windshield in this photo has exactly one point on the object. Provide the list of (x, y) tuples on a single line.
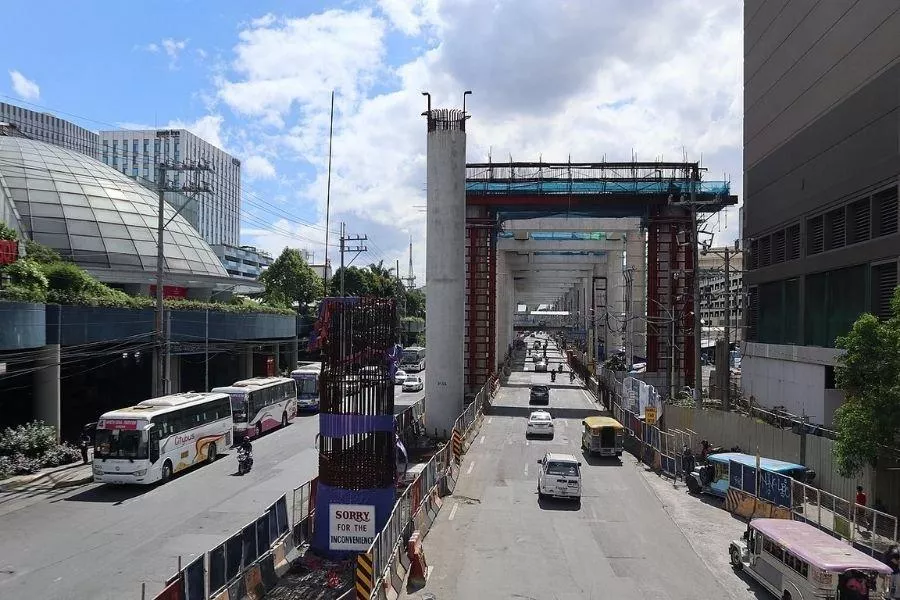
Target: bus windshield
[(306, 385), (119, 443), (239, 407)]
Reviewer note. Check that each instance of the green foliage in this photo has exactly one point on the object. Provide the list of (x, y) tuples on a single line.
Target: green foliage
[(291, 280), (27, 282), (357, 282), (615, 363), (415, 303), (70, 284), (869, 374), (8, 233), (41, 253), (30, 447)]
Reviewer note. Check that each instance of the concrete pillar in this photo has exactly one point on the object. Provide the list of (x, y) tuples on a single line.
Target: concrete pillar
[(445, 267), (636, 257), (47, 404), (501, 307), (247, 363), (615, 285), (175, 374)]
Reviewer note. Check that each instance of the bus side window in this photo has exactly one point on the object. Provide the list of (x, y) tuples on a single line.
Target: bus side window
[(154, 445)]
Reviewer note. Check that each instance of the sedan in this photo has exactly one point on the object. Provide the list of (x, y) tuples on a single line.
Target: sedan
[(400, 377), (539, 423), (413, 384), (540, 366), (540, 394)]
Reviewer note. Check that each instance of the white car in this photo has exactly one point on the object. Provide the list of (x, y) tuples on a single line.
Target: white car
[(400, 377), (560, 477), (413, 384), (539, 423)]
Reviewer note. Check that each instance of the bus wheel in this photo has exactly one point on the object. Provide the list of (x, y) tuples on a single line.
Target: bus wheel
[(284, 419), (211, 452), (166, 471)]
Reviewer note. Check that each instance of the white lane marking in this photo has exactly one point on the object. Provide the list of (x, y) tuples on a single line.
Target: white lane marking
[(453, 510), (490, 419), (481, 441), (471, 466), (526, 469)]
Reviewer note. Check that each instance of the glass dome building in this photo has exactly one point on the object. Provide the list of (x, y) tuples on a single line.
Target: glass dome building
[(102, 220)]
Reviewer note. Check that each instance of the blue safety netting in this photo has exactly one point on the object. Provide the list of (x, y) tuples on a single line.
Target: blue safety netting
[(611, 186), (560, 235)]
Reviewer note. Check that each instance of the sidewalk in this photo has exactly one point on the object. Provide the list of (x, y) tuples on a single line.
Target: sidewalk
[(51, 478)]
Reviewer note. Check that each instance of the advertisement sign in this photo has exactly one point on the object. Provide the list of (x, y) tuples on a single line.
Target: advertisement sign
[(351, 527), (117, 424), (650, 415)]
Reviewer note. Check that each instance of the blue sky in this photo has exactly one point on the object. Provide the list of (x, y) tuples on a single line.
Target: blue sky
[(255, 78)]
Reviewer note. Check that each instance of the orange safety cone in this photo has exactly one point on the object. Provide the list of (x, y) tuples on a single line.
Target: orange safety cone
[(418, 569)]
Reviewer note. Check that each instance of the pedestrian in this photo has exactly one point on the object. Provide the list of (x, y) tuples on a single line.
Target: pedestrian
[(894, 563), (860, 507), (85, 444)]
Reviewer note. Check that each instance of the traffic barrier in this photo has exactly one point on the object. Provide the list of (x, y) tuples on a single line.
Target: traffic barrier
[(456, 441), (418, 572), (279, 556), (254, 583), (223, 595), (365, 576)]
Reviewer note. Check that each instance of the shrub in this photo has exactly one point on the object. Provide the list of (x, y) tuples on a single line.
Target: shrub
[(8, 233), (32, 440), (41, 253), (27, 274), (62, 454)]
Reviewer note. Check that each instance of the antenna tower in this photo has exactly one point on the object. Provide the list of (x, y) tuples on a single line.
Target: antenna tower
[(410, 275)]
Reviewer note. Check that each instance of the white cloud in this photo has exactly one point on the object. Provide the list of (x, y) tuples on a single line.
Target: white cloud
[(208, 127), (582, 78), (171, 47), (258, 167), (25, 88), (283, 63)]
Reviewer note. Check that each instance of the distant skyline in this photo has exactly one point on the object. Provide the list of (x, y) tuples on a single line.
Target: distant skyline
[(256, 80)]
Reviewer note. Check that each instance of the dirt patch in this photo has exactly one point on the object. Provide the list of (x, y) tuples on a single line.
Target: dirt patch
[(315, 578)]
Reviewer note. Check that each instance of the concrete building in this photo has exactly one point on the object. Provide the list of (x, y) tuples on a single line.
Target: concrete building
[(821, 167), (135, 153), (712, 295), (246, 262), (445, 271), (51, 129)]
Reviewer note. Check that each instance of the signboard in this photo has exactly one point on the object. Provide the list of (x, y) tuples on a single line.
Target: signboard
[(117, 424), (650, 415), (351, 527)]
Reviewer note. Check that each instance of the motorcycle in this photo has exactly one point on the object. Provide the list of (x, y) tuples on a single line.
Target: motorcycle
[(245, 461)]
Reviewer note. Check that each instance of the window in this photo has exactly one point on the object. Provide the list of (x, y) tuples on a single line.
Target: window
[(886, 211), (815, 235), (773, 549), (798, 565)]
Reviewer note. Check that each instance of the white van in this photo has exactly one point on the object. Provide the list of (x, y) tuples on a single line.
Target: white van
[(560, 477)]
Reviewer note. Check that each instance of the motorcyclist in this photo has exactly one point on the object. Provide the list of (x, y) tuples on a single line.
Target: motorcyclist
[(245, 445), (552, 375)]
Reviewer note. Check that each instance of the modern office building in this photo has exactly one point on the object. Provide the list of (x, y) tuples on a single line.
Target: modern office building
[(245, 261), (51, 129), (135, 153), (821, 167)]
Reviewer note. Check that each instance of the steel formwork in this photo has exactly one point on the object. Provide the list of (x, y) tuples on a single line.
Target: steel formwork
[(481, 290), (662, 194)]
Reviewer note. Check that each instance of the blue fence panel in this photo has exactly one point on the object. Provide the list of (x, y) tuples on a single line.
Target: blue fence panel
[(195, 580), (735, 475), (281, 515), (250, 548), (234, 554), (217, 577), (263, 541), (749, 477), (775, 488)]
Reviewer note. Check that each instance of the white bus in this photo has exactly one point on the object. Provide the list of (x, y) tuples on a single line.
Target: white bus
[(413, 359), (307, 380), (261, 404), (155, 438)]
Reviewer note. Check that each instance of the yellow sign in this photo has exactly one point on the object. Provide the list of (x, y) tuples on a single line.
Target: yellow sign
[(650, 415)]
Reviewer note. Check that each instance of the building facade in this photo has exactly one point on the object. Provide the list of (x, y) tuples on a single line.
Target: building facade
[(244, 261), (136, 153), (712, 295), (821, 167), (51, 129)]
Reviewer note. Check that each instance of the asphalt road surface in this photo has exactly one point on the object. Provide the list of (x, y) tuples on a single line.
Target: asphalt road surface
[(493, 539), (101, 541)]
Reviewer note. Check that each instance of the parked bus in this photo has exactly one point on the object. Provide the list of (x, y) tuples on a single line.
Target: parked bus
[(156, 438), (307, 380), (413, 359), (794, 560), (261, 404)]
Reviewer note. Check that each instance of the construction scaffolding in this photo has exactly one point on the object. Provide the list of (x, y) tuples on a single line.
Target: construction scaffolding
[(481, 291)]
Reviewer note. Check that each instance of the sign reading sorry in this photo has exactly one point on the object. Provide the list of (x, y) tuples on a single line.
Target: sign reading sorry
[(351, 527)]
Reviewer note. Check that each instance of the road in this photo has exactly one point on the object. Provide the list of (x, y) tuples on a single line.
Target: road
[(494, 539), (101, 541)]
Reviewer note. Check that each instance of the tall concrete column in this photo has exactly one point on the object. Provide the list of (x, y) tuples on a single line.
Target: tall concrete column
[(445, 266), (247, 363), (636, 260), (620, 319), (584, 286), (501, 307), (175, 374), (47, 403)]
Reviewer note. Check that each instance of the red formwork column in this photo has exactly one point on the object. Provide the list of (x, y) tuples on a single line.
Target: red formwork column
[(653, 310), (481, 270)]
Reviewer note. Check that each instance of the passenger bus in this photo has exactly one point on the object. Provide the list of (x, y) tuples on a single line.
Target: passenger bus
[(413, 359), (797, 561), (307, 380), (261, 404), (156, 438)]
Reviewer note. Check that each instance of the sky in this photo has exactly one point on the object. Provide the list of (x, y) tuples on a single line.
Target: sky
[(586, 79)]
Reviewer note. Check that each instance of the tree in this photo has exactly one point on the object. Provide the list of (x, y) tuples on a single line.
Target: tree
[(869, 374), (8, 233), (415, 303), (291, 280), (357, 282)]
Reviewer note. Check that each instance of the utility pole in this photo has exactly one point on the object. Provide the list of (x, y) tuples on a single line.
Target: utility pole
[(195, 186), (726, 393), (344, 249), (695, 243)]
